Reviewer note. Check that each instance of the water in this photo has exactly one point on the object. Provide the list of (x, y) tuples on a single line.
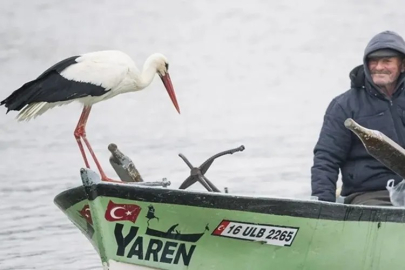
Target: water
[(257, 73)]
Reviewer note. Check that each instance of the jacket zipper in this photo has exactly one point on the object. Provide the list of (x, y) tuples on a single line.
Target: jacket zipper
[(397, 130)]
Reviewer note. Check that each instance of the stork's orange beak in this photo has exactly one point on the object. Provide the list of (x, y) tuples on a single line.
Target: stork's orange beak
[(170, 90)]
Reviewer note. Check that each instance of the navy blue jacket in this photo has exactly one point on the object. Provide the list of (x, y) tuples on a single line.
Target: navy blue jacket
[(339, 148)]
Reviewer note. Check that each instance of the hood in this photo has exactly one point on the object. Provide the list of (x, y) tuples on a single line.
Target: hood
[(383, 40), (357, 77)]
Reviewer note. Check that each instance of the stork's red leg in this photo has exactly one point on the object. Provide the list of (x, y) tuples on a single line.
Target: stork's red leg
[(86, 111), (77, 133)]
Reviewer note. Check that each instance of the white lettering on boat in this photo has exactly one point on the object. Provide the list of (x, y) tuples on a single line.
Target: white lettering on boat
[(268, 234)]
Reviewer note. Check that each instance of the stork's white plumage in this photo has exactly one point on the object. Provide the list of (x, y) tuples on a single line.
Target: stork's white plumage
[(88, 78)]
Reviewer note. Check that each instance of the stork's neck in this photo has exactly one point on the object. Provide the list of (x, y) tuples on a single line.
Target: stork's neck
[(147, 75)]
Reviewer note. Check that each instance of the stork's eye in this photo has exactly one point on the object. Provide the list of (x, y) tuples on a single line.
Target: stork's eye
[(167, 66)]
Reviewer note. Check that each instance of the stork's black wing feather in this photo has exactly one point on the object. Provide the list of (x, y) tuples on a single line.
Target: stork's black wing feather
[(50, 86), (25, 94), (60, 66)]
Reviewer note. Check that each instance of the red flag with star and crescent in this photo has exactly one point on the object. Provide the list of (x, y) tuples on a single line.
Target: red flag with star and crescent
[(119, 212), (221, 227), (86, 214)]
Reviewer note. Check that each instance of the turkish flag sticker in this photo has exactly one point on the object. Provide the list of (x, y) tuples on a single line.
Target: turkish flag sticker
[(86, 214), (221, 227), (116, 212)]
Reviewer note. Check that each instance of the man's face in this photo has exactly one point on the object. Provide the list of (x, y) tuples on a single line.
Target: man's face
[(385, 70)]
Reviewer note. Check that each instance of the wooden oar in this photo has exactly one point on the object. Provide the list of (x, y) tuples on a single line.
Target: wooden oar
[(380, 147)]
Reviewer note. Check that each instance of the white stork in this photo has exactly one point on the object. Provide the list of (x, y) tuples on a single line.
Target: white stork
[(88, 78)]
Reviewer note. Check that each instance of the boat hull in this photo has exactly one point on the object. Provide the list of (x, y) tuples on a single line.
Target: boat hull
[(175, 229)]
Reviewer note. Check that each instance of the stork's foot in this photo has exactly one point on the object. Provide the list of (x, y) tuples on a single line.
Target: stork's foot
[(107, 179)]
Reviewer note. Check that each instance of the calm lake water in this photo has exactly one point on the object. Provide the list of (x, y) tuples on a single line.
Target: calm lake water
[(257, 73)]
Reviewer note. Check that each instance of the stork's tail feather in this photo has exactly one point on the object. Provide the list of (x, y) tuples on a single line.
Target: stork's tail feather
[(20, 97), (32, 110)]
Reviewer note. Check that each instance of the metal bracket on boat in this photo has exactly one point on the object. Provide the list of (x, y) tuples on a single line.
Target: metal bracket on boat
[(163, 183), (126, 170), (197, 174), (123, 165)]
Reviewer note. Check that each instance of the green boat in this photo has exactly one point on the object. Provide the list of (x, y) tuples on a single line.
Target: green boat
[(147, 225)]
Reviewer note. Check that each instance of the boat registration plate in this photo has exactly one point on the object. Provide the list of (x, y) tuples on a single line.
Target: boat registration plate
[(267, 234)]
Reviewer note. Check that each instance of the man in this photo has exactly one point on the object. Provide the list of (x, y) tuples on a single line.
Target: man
[(376, 100)]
